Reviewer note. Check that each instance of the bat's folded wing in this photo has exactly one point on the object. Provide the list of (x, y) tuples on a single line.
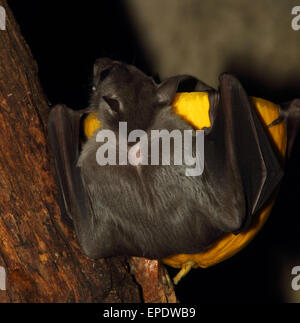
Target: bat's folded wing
[(64, 138), (244, 158)]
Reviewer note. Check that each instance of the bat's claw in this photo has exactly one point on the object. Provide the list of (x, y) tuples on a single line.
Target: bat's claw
[(185, 269)]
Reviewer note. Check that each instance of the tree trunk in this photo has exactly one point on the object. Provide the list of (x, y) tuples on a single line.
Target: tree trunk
[(38, 251)]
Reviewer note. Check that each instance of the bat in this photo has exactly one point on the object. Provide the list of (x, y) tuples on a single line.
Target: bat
[(155, 211)]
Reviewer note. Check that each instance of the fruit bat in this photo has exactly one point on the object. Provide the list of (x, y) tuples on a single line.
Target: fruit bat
[(155, 211)]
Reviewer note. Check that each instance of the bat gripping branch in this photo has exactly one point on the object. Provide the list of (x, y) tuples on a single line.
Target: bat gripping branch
[(185, 269)]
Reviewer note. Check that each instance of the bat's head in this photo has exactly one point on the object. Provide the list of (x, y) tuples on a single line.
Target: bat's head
[(124, 93)]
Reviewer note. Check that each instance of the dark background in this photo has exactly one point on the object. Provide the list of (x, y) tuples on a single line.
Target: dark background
[(66, 38)]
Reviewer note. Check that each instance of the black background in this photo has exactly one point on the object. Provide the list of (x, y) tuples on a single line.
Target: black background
[(65, 38)]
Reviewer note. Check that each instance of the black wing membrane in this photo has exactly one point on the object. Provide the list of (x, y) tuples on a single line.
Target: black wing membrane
[(240, 150), (64, 138)]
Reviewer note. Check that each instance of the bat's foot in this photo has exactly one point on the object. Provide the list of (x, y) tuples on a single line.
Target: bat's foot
[(290, 112), (185, 269)]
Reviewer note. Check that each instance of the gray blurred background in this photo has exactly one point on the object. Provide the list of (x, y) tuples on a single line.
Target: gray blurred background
[(208, 37)]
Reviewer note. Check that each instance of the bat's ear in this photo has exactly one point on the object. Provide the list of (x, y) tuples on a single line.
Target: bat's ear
[(167, 90), (180, 83), (100, 64)]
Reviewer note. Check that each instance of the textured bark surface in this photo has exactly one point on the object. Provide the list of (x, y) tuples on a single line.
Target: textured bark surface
[(154, 280), (38, 251)]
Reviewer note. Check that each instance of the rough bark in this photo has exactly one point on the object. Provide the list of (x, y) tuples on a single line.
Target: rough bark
[(39, 252), (153, 279)]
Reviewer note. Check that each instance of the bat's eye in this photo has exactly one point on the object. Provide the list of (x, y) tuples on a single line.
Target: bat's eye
[(113, 104), (105, 73)]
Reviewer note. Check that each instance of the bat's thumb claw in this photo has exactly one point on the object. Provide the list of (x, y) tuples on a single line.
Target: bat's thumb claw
[(185, 269)]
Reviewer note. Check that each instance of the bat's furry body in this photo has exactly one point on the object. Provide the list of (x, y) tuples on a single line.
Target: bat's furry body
[(157, 211)]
